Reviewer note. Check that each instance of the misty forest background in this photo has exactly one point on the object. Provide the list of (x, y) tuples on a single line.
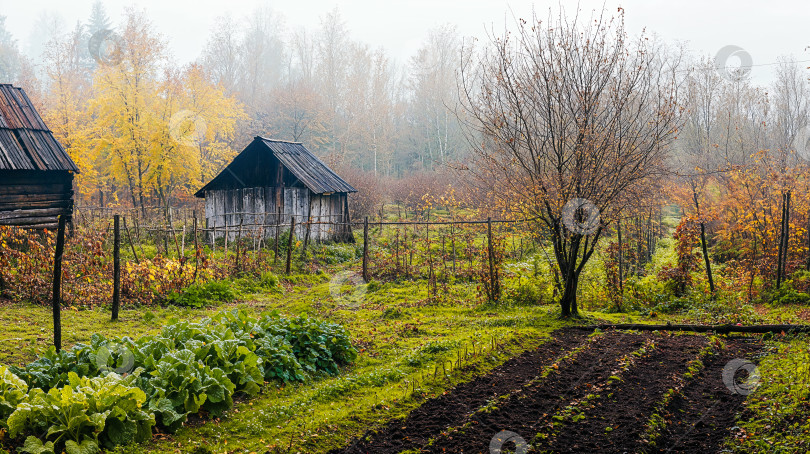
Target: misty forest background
[(349, 103), (148, 132)]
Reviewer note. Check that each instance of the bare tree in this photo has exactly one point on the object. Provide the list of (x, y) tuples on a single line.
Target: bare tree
[(436, 133), (574, 120), (221, 56)]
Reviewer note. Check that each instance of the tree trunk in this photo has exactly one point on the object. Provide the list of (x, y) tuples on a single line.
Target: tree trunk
[(569, 271), (568, 302), (703, 245), (786, 236), (779, 245), (706, 259)]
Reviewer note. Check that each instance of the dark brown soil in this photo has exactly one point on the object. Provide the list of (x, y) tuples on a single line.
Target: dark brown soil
[(531, 410), (616, 420), (700, 418), (451, 408)]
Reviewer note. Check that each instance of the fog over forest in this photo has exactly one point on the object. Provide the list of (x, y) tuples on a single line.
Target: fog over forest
[(258, 73)]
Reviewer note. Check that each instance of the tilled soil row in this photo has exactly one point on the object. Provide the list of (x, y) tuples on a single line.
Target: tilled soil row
[(451, 408), (701, 416), (615, 420), (531, 409)]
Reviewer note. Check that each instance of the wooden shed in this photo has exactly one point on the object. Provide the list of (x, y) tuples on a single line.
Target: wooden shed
[(36, 173), (270, 182)]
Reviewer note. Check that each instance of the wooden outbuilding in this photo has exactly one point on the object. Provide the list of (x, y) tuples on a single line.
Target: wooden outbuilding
[(270, 182), (36, 173)]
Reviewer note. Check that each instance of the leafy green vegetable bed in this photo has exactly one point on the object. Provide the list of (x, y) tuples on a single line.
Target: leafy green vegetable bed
[(113, 391)]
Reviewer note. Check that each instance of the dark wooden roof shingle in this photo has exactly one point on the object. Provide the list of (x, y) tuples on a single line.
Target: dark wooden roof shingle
[(315, 175), (26, 143), (307, 168)]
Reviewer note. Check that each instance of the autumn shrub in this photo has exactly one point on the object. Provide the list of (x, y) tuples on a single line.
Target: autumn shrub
[(370, 195), (409, 191), (26, 269), (679, 277), (26, 259), (786, 294)]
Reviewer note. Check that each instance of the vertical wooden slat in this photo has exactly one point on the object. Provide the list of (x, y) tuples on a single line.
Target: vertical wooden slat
[(290, 244), (365, 249)]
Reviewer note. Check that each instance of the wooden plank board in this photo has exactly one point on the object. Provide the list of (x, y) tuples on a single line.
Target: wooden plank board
[(10, 206), (37, 212), (23, 222), (35, 189)]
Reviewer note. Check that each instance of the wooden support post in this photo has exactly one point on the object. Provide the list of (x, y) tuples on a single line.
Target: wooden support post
[(492, 295), (226, 236), (116, 303), (239, 244), (213, 236), (365, 249), (453, 244), (290, 244), (196, 249), (57, 284), (278, 234)]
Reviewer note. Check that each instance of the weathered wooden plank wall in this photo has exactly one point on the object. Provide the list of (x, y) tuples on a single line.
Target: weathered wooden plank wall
[(254, 207), (35, 199)]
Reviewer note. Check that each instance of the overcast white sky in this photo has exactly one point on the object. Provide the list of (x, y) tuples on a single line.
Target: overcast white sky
[(765, 30)]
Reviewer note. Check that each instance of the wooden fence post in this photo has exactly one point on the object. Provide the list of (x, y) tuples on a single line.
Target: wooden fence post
[(365, 249), (491, 260), (116, 266), (290, 244), (238, 243), (57, 284), (278, 234), (196, 249)]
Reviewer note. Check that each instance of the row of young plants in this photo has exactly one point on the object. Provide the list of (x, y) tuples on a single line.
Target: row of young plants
[(496, 402), (114, 391), (657, 422), (576, 409)]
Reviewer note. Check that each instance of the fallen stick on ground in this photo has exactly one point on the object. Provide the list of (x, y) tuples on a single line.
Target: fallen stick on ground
[(723, 329)]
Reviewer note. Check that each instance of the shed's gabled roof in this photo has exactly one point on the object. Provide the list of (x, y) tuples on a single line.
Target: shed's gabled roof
[(311, 171), (26, 143)]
